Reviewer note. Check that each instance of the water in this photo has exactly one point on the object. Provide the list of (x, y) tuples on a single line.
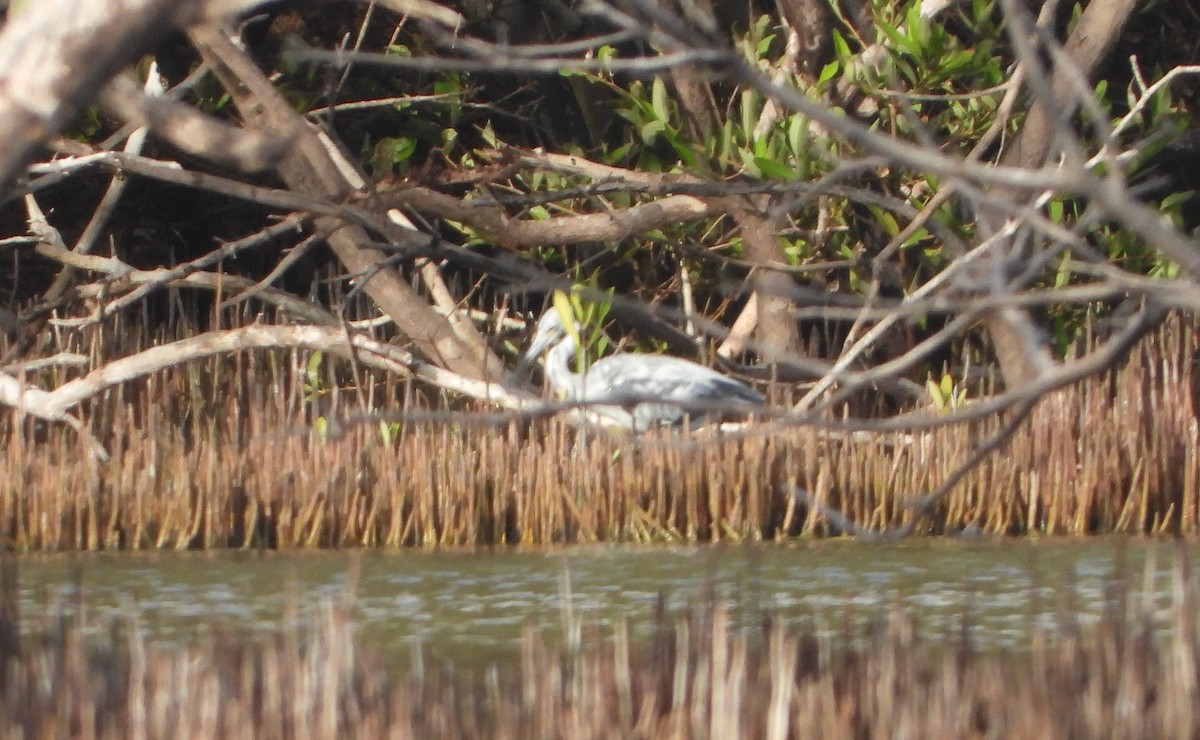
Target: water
[(473, 607)]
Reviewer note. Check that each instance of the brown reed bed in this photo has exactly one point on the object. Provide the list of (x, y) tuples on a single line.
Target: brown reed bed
[(696, 676), (222, 454)]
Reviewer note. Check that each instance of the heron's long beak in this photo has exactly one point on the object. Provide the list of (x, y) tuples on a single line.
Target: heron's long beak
[(522, 368), (539, 345)]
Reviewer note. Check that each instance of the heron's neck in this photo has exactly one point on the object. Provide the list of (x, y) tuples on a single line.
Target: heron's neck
[(558, 369)]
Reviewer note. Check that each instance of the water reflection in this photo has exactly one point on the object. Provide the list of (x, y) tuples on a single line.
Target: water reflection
[(473, 606)]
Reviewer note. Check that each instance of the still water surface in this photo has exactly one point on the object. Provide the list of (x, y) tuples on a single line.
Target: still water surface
[(474, 606)]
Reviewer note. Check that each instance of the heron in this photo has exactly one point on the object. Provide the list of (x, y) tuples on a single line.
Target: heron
[(635, 391)]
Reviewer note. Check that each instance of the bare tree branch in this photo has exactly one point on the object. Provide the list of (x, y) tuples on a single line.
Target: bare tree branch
[(309, 168)]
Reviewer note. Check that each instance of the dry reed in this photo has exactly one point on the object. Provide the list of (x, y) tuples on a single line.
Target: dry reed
[(696, 676), (222, 454)]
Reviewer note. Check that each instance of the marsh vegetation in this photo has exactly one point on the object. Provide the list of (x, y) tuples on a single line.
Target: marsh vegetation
[(244, 468), (269, 265)]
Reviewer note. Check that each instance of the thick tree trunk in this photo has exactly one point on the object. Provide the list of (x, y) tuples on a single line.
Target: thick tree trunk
[(778, 339), (1020, 348)]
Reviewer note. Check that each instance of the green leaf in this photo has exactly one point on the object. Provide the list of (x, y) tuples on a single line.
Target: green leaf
[(312, 369), (764, 46), (488, 134), (797, 134), (1063, 276), (774, 169), (749, 110), (762, 148), (321, 428), (841, 49), (616, 156), (886, 220), (395, 149), (916, 238), (828, 72), (660, 101), (686, 154), (954, 61), (389, 431), (947, 386), (1055, 211), (1174, 200), (935, 394), (651, 130), (726, 147), (899, 40), (917, 27)]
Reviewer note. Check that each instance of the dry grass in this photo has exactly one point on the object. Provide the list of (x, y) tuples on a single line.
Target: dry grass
[(696, 677), (222, 454)]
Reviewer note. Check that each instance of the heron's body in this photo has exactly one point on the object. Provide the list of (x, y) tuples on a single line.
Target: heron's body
[(639, 391)]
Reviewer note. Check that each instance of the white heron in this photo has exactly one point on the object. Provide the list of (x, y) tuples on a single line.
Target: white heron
[(637, 391)]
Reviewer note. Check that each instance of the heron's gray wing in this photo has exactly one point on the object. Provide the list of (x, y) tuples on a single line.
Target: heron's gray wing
[(672, 380)]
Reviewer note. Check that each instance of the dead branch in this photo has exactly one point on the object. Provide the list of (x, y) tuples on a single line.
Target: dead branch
[(310, 168), (56, 403), (191, 132)]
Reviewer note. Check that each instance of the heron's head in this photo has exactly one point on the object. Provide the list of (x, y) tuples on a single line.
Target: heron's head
[(550, 329)]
